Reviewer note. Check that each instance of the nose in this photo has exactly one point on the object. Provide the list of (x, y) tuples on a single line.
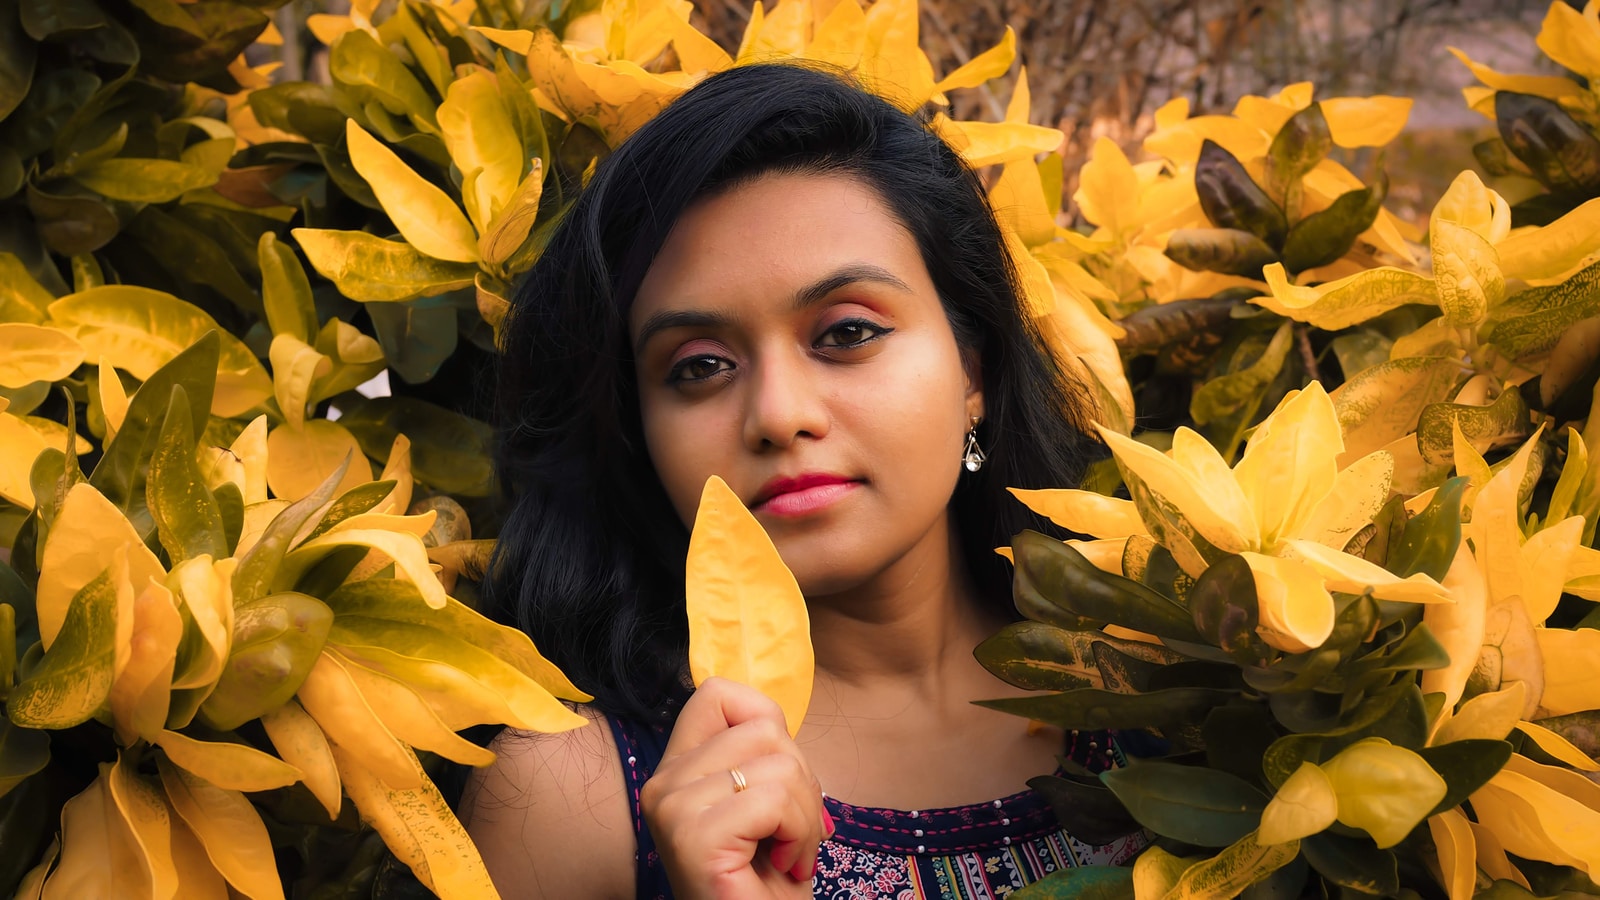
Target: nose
[(784, 402)]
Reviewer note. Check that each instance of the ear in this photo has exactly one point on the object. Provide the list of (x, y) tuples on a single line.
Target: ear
[(972, 366)]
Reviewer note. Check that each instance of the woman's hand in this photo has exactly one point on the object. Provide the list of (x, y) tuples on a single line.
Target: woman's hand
[(719, 843)]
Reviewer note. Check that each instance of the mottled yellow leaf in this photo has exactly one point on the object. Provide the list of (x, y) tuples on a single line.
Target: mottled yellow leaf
[(747, 617), (332, 698), (370, 269)]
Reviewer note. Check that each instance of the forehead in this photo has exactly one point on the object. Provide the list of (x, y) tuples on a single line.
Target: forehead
[(770, 236)]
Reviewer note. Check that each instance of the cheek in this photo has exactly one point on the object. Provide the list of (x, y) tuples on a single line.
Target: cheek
[(685, 449)]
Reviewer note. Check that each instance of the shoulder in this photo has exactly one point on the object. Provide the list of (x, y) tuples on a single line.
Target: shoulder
[(551, 815)]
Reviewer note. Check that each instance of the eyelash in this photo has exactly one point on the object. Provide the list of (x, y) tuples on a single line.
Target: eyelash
[(677, 374)]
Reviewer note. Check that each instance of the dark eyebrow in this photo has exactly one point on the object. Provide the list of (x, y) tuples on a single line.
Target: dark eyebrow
[(812, 293)]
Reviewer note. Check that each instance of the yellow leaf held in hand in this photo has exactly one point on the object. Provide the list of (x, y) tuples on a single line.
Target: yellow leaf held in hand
[(747, 617)]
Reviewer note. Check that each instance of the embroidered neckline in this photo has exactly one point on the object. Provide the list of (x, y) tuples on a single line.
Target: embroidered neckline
[(944, 830)]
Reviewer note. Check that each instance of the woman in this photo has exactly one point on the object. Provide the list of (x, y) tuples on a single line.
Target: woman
[(787, 282)]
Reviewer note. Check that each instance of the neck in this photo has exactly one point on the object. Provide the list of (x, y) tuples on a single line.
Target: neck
[(912, 628)]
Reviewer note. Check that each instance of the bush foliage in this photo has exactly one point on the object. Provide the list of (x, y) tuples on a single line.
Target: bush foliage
[(1338, 566)]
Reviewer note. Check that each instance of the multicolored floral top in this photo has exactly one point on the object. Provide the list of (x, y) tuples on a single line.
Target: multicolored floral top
[(975, 852)]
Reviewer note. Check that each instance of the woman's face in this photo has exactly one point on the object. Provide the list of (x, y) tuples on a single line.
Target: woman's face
[(789, 339)]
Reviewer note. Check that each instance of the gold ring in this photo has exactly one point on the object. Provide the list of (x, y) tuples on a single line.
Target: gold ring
[(739, 783)]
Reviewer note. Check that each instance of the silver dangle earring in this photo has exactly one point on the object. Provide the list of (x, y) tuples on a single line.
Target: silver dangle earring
[(973, 456)]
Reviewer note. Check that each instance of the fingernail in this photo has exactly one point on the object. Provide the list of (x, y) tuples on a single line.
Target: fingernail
[(827, 822)]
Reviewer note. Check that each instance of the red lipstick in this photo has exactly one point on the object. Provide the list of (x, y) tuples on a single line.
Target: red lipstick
[(802, 495)]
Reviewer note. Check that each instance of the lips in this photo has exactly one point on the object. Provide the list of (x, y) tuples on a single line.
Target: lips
[(802, 494)]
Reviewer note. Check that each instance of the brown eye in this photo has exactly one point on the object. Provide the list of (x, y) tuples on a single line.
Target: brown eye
[(852, 333), (697, 368)]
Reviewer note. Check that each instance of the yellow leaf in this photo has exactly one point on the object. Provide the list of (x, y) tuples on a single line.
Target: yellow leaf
[(1019, 203), (1181, 143), (149, 821), (1489, 716), (1296, 610), (408, 718), (1554, 249), (1384, 790), (839, 36), (1458, 626), (1352, 574), (250, 448), (1572, 38), (1359, 492), (20, 445), (140, 330), (1458, 853), (1304, 805), (1560, 779), (419, 829), (22, 298), (1106, 555), (1366, 121), (1535, 822), (299, 460), (1571, 670), (113, 398), (1155, 872), (370, 269), (425, 215), (332, 698), (32, 885), (99, 856), (1544, 560), (199, 879), (1226, 875), (230, 766), (257, 516), (991, 63), (1551, 87), (204, 588), (398, 470), (747, 617), (30, 353), (988, 143), (301, 743), (1289, 464), (295, 365), (1348, 301), (140, 695), (1084, 511), (87, 533), (227, 826), (1108, 189), (479, 133), (1558, 747), (407, 550), (508, 230), (1492, 857), (1175, 505)]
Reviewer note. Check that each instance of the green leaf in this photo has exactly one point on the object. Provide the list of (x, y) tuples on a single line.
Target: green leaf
[(417, 336), (50, 104), (299, 107), (1559, 151), (1193, 804), (192, 256), (199, 41), (44, 18), (1327, 235), (1037, 657), (1090, 709), (1080, 883), (8, 646), (23, 752), (1465, 766), (257, 568), (1485, 427), (188, 520), (1236, 736), (285, 290), (1089, 812), (276, 641), (398, 601), (1297, 148), (370, 269), (121, 473), (144, 180), (1230, 251), (1223, 604), (1053, 578), (1353, 863), (1231, 199), (17, 57), (72, 224), (230, 506), (449, 451), (73, 680), (360, 65), (353, 502), (1396, 714), (1543, 314), (1235, 391)]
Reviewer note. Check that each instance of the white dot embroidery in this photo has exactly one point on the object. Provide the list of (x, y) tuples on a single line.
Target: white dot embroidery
[(632, 760), (1006, 840), (921, 849), (917, 833), (915, 814)]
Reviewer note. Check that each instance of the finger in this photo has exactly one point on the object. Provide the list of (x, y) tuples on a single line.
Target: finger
[(717, 705), (732, 747), (767, 811)]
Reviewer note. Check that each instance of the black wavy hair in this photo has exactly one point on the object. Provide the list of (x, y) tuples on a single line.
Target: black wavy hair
[(590, 559)]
